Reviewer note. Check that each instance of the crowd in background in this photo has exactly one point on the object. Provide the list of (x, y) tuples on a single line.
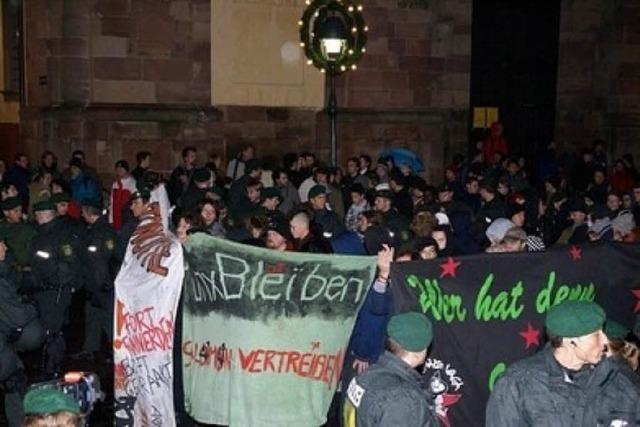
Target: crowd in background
[(490, 201)]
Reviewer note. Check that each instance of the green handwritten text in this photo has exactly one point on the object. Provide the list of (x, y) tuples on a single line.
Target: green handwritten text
[(447, 307), (496, 373), (503, 306), (547, 298)]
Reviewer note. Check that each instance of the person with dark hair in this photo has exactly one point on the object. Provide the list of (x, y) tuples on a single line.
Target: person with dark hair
[(199, 189), (58, 270), (395, 222), (426, 248), (324, 221), (492, 207), (181, 175), (237, 192), (121, 190), (599, 187), (320, 175), (49, 164), (401, 197), (389, 393), (207, 218), (138, 203), (40, 188), (279, 236), (83, 186), (568, 382), (308, 165), (15, 231), (582, 173), (288, 193), (250, 204), (235, 168), (352, 171), (143, 163), (20, 176), (99, 246), (358, 205)]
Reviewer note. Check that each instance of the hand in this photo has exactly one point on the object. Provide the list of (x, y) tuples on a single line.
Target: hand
[(360, 366), (385, 257)]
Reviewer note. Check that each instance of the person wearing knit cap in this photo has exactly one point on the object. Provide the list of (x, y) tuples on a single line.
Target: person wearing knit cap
[(568, 383), (389, 393), (48, 406)]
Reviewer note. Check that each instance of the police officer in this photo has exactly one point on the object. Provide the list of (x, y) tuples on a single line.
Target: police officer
[(139, 202), (389, 392), (20, 330), (325, 222), (391, 218), (99, 245), (16, 232), (62, 202), (567, 383), (57, 266)]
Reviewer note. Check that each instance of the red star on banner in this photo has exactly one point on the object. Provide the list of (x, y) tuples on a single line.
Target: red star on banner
[(636, 293), (449, 267), (531, 336), (576, 253)]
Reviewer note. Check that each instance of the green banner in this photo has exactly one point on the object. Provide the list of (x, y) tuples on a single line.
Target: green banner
[(265, 332)]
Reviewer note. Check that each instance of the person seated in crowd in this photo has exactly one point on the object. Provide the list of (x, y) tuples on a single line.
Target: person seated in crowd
[(279, 236), (288, 192), (358, 205), (324, 220), (426, 248)]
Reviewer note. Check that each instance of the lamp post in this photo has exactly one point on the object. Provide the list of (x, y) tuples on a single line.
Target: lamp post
[(333, 35)]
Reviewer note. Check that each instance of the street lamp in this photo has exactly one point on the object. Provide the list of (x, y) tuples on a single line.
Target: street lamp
[(335, 45)]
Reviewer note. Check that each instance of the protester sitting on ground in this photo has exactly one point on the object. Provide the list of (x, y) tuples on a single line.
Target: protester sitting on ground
[(426, 248), (48, 407)]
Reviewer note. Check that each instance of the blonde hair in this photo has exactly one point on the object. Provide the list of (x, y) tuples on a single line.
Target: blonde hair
[(58, 419), (423, 224), (628, 351)]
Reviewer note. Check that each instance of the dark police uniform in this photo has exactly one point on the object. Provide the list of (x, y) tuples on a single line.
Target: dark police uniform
[(57, 267), (538, 391), (388, 394), (100, 240)]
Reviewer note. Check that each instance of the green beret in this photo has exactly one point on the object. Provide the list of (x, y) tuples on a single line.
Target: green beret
[(45, 205), (317, 190), (49, 401), (571, 319), (11, 203), (94, 203), (411, 330), (270, 192), (615, 331), (201, 175), (59, 198)]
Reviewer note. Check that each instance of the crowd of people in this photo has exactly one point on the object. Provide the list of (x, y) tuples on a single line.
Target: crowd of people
[(64, 232)]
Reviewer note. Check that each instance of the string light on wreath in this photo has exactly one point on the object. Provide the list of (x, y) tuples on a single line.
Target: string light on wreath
[(333, 34)]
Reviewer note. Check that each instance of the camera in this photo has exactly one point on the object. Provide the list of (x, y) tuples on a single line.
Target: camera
[(84, 387)]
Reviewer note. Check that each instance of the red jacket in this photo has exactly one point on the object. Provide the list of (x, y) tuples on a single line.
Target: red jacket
[(495, 142)]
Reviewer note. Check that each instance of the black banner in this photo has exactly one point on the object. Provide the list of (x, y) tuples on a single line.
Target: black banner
[(488, 311)]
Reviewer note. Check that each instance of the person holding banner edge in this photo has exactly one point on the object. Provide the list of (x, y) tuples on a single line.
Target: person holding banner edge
[(567, 383)]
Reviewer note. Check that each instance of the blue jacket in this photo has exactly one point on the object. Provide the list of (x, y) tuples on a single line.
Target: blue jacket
[(83, 188), (368, 336)]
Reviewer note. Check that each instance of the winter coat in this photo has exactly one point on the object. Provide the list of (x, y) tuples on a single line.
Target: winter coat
[(538, 391), (388, 394)]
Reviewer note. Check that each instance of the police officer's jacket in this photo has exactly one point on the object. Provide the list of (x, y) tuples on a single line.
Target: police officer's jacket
[(100, 240), (538, 391), (57, 257), (388, 394)]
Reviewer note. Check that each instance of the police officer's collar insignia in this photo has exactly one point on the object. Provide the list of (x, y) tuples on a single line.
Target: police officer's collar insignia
[(66, 250), (109, 244)]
